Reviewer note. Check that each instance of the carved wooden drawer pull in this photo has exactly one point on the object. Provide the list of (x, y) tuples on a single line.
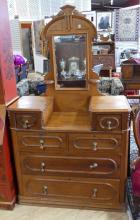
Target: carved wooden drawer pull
[(45, 190), (109, 125), (43, 165), (26, 124), (41, 144), (93, 166), (94, 193), (94, 146)]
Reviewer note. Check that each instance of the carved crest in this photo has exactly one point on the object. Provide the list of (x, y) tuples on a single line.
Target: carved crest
[(68, 11)]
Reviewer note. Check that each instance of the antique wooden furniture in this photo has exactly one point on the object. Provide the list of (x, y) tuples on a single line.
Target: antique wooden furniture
[(70, 146), (7, 95), (131, 74), (104, 53)]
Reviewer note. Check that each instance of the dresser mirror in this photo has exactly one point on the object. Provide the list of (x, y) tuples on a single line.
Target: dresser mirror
[(70, 58)]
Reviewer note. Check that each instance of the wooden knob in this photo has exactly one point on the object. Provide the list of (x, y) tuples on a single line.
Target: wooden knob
[(94, 193), (94, 146), (43, 165), (109, 125), (41, 144), (45, 190), (26, 124), (93, 166)]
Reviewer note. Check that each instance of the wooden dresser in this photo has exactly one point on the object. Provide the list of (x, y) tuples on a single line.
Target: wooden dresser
[(75, 159), (71, 146)]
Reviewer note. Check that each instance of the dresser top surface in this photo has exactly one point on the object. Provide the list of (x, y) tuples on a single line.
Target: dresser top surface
[(31, 103), (109, 104), (69, 121)]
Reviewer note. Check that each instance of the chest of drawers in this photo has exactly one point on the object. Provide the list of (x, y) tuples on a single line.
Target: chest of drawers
[(71, 167)]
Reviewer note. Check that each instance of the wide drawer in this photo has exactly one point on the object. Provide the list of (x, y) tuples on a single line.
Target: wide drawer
[(94, 144), (76, 192), (106, 122), (42, 142), (26, 120), (68, 166)]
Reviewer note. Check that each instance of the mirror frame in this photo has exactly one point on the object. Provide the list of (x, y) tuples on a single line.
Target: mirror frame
[(68, 22)]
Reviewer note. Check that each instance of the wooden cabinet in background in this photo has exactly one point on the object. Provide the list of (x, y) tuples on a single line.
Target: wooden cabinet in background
[(130, 75), (104, 53)]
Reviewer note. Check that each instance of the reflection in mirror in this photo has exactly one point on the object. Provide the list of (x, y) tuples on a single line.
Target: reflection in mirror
[(70, 55)]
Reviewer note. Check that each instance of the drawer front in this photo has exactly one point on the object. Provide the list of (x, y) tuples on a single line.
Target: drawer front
[(94, 144), (107, 122), (28, 120), (42, 142), (68, 166), (83, 191)]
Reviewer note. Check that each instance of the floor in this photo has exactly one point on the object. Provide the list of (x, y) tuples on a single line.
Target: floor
[(22, 212)]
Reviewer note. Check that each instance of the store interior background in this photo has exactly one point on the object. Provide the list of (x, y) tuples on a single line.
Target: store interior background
[(25, 21)]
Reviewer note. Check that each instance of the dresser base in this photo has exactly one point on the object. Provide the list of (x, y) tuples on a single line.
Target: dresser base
[(23, 200)]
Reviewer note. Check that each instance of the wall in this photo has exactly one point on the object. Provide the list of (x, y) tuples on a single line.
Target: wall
[(16, 36), (38, 9), (29, 14)]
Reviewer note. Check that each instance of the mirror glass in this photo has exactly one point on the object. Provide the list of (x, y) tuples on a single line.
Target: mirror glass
[(70, 60)]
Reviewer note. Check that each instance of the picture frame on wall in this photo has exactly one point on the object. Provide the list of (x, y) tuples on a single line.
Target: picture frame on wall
[(91, 15), (104, 21)]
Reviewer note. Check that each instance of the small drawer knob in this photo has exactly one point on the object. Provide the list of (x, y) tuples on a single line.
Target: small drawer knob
[(94, 146), (41, 144), (45, 190), (43, 165), (109, 125), (93, 166), (26, 124), (94, 192)]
